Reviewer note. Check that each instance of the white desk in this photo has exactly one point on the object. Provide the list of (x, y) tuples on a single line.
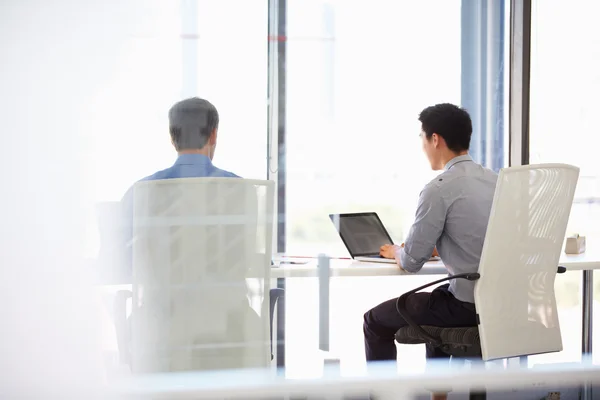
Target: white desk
[(342, 267), (586, 262)]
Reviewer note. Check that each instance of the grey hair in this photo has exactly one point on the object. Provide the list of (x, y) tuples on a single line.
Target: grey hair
[(191, 122)]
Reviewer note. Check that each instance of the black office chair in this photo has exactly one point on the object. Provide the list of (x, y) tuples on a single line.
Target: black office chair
[(461, 343), (123, 325)]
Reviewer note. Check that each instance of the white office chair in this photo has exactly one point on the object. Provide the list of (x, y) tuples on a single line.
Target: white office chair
[(514, 292), (199, 244)]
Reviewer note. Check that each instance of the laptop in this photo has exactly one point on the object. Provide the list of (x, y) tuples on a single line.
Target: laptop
[(363, 235)]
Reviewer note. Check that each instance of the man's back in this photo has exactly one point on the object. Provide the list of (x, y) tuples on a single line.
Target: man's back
[(467, 192), (186, 166)]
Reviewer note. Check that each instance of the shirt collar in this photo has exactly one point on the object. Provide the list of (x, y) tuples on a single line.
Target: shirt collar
[(191, 159), (457, 160)]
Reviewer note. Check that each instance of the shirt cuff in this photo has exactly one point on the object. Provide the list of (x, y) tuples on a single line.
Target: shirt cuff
[(408, 263), (398, 256)]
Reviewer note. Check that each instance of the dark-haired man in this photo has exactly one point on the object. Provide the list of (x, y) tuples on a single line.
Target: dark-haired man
[(452, 217)]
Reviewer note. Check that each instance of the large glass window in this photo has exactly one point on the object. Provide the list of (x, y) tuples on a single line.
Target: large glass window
[(565, 81), (165, 51), (357, 75), (169, 51)]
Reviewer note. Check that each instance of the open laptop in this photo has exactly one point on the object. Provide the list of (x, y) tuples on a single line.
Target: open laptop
[(363, 234)]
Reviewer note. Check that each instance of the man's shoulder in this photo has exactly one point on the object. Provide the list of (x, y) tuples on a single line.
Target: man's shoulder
[(171, 173), (447, 181), (432, 189), (221, 173), (166, 173), (437, 183), (162, 174), (446, 178)]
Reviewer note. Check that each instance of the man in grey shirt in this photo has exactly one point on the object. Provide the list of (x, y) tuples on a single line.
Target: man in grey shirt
[(451, 218)]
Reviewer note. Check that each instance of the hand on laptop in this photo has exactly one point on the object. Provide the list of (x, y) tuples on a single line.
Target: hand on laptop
[(389, 251)]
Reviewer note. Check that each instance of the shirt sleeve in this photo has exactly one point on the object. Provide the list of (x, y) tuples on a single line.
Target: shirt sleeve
[(425, 231)]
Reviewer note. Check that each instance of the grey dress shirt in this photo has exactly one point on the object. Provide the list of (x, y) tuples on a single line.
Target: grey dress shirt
[(452, 214)]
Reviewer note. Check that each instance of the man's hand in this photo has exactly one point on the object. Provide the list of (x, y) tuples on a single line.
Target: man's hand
[(389, 250)]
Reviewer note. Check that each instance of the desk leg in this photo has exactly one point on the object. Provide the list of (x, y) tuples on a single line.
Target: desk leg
[(587, 307), (324, 275), (281, 325)]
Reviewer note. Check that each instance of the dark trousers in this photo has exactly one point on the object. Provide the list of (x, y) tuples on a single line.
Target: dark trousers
[(438, 308)]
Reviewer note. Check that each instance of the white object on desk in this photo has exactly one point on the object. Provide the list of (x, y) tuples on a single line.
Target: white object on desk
[(575, 244), (283, 260)]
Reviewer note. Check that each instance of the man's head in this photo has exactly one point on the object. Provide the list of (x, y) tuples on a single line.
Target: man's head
[(193, 124), (446, 132)]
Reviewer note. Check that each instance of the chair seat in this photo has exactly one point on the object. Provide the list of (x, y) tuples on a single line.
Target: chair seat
[(456, 342)]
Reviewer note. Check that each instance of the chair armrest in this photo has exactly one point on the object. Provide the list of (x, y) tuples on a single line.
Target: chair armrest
[(401, 304), (274, 296)]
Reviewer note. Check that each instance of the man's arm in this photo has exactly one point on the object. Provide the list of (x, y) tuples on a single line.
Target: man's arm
[(425, 231)]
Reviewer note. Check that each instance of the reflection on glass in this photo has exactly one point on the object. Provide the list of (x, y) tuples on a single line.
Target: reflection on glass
[(565, 80), (357, 76)]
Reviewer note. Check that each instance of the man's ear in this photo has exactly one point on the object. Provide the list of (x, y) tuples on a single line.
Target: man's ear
[(438, 140), (212, 140), (435, 140)]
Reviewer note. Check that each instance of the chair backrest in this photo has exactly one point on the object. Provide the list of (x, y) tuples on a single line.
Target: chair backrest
[(200, 246), (515, 297)]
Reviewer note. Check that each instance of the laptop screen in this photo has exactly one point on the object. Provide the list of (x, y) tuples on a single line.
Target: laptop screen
[(362, 233)]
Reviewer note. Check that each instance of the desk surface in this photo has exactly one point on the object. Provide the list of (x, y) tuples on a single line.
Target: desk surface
[(589, 260), (586, 261), (353, 268)]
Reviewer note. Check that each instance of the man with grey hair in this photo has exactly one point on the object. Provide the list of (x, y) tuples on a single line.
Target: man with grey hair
[(193, 125)]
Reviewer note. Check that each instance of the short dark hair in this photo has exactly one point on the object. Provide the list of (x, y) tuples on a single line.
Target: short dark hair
[(191, 122), (450, 122)]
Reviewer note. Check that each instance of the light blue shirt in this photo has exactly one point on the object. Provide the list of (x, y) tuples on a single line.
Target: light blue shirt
[(186, 166), (452, 215)]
